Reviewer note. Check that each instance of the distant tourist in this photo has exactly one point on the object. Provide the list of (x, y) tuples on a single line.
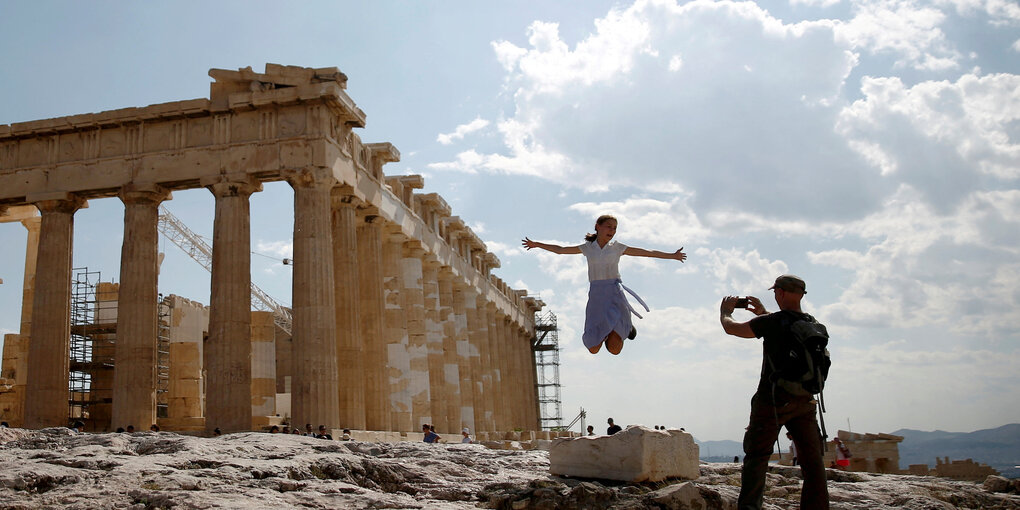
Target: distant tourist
[(613, 428), (466, 435), (130, 429), (323, 434), (78, 427), (308, 430), (286, 429), (154, 428), (430, 434), (607, 315), (842, 454), (296, 431), (217, 432), (772, 406), (3, 425), (120, 430), (274, 430), (346, 435), (591, 430)]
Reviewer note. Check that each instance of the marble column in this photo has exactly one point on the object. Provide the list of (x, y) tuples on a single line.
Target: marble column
[(438, 399), (413, 298), (398, 360), (370, 280), (485, 362), (495, 367), (228, 399), (511, 378), (263, 368), (28, 290), (46, 389), (134, 365), (450, 365), (314, 386), (465, 354), (477, 370), (349, 345)]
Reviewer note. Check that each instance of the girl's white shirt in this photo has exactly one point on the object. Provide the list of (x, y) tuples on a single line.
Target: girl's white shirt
[(603, 262)]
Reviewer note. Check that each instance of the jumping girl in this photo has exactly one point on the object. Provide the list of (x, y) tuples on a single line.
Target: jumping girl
[(607, 316)]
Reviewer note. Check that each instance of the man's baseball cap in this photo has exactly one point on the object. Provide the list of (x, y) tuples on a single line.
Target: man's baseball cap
[(790, 283)]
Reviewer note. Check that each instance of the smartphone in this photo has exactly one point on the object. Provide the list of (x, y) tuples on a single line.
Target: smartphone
[(741, 303)]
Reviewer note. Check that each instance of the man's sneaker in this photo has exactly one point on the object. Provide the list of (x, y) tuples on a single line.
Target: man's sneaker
[(633, 333)]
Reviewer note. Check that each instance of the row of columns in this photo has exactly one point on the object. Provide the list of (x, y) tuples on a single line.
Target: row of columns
[(384, 337)]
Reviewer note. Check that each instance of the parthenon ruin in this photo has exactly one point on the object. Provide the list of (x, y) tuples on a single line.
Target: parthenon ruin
[(397, 319)]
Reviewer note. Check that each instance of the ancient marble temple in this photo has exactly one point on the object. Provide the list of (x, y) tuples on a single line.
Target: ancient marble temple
[(397, 319)]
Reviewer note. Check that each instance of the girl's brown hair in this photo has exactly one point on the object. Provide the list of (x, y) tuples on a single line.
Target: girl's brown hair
[(602, 219)]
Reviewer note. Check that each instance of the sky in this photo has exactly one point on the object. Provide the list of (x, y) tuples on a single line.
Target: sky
[(871, 147)]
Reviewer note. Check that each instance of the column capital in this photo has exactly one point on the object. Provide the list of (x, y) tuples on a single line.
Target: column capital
[(133, 193), (413, 249), (231, 185), (33, 223), (309, 177), (343, 196), (58, 202)]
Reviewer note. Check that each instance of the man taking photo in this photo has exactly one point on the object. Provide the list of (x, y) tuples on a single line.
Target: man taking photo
[(772, 406)]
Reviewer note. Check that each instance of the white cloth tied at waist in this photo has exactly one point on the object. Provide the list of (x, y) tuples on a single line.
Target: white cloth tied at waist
[(637, 297)]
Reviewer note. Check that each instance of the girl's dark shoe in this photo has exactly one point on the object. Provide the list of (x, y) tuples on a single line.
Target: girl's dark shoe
[(633, 333)]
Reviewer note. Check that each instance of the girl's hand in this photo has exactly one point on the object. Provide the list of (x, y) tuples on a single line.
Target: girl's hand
[(680, 255), (528, 243)]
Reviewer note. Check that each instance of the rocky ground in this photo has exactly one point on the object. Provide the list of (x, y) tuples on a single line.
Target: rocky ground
[(55, 468)]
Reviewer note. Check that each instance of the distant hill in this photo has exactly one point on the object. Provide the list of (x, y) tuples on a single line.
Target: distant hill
[(998, 447), (719, 451)]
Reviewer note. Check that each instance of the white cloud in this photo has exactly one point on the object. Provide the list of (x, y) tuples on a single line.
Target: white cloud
[(923, 268), (282, 249), (676, 62), (954, 127), (462, 130), (739, 272), (816, 3), (902, 28)]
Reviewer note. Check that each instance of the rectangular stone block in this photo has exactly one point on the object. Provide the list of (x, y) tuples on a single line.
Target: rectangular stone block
[(636, 454)]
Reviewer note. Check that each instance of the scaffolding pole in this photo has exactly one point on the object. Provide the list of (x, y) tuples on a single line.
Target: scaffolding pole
[(546, 349)]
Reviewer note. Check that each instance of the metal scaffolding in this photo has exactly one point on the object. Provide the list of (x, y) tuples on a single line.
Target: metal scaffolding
[(93, 332), (93, 342), (546, 349), (162, 357)]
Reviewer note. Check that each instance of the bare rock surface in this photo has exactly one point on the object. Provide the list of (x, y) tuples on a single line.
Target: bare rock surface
[(56, 468)]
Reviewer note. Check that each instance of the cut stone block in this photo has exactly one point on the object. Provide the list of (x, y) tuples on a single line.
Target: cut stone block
[(636, 454)]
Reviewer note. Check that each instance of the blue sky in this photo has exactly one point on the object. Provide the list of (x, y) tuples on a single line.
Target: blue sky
[(870, 146)]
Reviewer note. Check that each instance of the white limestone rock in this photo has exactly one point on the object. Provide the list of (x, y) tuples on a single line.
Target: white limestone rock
[(56, 468), (635, 454)]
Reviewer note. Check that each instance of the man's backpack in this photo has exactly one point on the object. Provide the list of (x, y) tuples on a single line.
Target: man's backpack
[(803, 365)]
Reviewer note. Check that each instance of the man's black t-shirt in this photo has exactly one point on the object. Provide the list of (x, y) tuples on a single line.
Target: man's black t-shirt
[(614, 429), (775, 328)]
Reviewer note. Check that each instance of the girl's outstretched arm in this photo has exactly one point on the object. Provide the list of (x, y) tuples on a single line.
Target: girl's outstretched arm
[(555, 248), (641, 252)]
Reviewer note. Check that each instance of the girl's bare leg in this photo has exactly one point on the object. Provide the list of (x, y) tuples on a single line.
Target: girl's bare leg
[(614, 343)]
